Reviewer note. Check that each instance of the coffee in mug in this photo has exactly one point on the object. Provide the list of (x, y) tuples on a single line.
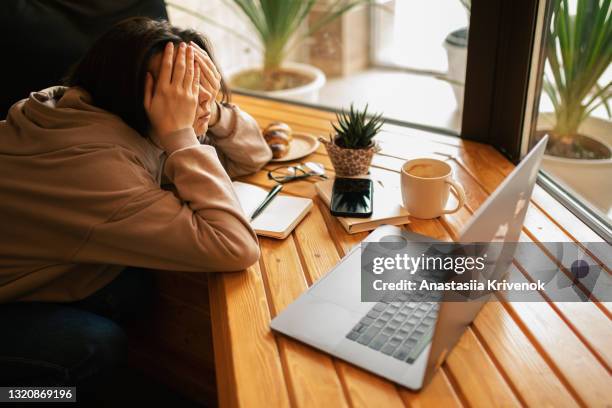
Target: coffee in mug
[(426, 185)]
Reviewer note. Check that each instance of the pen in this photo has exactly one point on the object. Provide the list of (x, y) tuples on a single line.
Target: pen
[(266, 200)]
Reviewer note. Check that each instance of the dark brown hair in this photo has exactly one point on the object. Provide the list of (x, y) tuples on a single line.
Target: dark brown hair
[(113, 69)]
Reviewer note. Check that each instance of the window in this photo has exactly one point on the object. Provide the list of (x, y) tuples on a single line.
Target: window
[(405, 59), (574, 104)]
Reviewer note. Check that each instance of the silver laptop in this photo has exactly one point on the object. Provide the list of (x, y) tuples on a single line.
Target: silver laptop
[(399, 340)]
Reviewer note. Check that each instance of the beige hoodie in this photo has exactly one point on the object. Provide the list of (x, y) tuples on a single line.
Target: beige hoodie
[(80, 197)]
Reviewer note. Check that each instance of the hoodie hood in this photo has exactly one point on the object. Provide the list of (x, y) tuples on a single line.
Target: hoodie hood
[(59, 118)]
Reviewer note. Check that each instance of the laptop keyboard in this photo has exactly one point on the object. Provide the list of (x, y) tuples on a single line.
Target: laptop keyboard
[(400, 327)]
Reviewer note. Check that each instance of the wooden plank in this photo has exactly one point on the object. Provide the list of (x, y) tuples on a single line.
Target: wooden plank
[(438, 393), (477, 376), (529, 373), (249, 371), (542, 228), (563, 217), (247, 103), (591, 325), (469, 355), (563, 350), (311, 237), (319, 256), (474, 193), (344, 242), (311, 376), (300, 188), (567, 222), (489, 182), (424, 229), (585, 319), (488, 178), (264, 117)]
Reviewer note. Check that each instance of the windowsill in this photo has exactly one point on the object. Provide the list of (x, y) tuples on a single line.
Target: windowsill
[(398, 95)]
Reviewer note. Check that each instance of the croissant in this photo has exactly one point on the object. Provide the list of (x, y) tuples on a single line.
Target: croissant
[(279, 150), (278, 135), (280, 126)]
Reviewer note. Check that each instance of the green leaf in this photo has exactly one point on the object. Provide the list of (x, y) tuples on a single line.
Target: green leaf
[(354, 128), (579, 50)]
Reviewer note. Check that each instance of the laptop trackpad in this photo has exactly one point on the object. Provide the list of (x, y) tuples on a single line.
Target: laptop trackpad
[(316, 322), (342, 285)]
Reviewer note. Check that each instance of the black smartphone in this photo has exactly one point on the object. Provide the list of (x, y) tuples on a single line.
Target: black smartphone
[(352, 197)]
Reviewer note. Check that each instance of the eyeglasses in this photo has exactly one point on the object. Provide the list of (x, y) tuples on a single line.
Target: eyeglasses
[(285, 174)]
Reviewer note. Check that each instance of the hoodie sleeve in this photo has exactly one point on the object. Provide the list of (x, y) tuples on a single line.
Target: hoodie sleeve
[(239, 142), (203, 229)]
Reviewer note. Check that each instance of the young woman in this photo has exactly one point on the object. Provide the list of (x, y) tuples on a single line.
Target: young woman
[(80, 197)]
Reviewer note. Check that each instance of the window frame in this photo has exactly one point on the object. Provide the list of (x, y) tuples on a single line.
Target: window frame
[(501, 41)]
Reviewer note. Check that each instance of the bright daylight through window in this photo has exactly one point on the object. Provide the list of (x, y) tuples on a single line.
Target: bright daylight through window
[(575, 106), (406, 59)]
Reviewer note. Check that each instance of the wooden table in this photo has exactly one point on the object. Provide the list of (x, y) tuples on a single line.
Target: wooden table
[(534, 354)]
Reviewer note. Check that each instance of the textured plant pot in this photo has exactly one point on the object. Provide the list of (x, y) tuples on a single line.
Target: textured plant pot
[(584, 176), (306, 93), (456, 52), (349, 162)]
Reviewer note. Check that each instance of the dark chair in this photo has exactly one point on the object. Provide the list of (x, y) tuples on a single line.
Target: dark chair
[(42, 39)]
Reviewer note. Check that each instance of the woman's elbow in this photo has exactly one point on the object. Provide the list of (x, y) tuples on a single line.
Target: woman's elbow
[(251, 254), (240, 252), (255, 162), (260, 160), (245, 258)]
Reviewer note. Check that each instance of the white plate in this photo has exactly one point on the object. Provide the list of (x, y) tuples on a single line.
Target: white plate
[(301, 145)]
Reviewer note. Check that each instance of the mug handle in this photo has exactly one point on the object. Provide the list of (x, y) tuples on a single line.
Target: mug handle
[(460, 196)]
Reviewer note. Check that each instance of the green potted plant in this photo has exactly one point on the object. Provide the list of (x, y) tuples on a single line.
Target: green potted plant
[(278, 25), (578, 52), (352, 146)]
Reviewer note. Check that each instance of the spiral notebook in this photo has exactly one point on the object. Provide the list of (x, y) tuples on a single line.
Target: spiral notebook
[(387, 208), (279, 218)]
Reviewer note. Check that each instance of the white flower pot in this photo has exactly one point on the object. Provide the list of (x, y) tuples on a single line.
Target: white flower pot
[(306, 93), (456, 52), (590, 178)]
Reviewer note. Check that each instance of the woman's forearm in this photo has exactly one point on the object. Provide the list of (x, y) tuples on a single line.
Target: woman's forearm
[(203, 229), (240, 145)]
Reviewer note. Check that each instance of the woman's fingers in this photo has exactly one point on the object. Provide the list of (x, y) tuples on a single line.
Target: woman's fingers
[(178, 74), (195, 85), (188, 82), (205, 59), (165, 73), (209, 80), (208, 77), (148, 91)]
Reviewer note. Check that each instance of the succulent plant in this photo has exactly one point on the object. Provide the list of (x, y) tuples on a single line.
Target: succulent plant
[(354, 129)]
